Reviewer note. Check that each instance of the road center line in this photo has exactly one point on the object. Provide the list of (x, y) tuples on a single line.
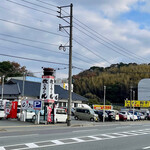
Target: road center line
[(17, 136), (84, 130)]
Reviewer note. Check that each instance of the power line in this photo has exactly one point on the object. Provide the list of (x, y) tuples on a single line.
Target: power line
[(84, 56), (38, 60), (33, 59), (126, 52), (31, 27), (31, 8), (105, 45), (39, 5), (45, 49), (46, 3), (106, 40), (92, 52), (27, 39), (23, 16)]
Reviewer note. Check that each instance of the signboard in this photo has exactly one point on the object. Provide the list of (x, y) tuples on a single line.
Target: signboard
[(31, 105), (136, 103), (8, 106), (101, 107), (47, 88)]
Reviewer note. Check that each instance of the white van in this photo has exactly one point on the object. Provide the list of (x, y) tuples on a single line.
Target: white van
[(61, 115), (2, 113)]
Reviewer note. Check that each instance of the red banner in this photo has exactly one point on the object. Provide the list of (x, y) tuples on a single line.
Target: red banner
[(49, 110)]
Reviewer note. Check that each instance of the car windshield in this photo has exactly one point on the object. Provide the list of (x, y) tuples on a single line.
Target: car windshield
[(92, 112), (123, 112)]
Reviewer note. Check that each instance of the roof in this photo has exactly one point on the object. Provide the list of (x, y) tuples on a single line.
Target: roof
[(33, 89), (10, 89)]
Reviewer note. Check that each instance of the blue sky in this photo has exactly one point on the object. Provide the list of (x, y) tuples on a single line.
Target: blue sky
[(105, 32)]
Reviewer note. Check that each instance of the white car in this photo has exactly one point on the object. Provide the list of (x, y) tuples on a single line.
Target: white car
[(132, 116), (61, 115), (2, 113), (30, 115)]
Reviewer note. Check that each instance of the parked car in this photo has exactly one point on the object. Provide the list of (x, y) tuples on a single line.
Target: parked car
[(100, 115), (148, 116), (72, 111), (122, 117), (111, 115), (2, 114), (30, 115), (142, 116), (85, 114), (125, 113), (61, 115), (145, 117), (132, 117)]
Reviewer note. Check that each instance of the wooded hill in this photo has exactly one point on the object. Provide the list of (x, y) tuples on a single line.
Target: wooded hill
[(118, 79)]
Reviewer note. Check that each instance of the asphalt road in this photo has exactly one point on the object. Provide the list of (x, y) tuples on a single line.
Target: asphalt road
[(81, 136)]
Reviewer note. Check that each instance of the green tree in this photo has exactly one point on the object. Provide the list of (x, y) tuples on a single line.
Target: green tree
[(12, 69)]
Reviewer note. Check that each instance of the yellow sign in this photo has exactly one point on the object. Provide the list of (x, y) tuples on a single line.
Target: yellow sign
[(101, 107), (136, 103)]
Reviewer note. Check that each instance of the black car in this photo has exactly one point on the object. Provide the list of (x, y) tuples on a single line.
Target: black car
[(100, 115), (111, 115)]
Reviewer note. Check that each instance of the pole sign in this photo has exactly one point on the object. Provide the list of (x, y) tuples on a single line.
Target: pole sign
[(31, 105), (37, 105), (101, 107), (137, 103), (47, 89)]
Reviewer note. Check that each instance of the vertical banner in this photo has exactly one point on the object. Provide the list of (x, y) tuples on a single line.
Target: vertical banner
[(47, 89), (49, 110)]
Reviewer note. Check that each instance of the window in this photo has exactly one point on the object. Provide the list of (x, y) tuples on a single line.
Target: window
[(64, 104)]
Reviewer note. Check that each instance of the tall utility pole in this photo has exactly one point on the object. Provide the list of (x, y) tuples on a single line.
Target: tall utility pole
[(70, 55), (23, 85), (2, 87), (104, 103)]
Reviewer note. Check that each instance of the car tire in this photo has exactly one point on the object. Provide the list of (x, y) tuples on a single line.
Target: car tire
[(33, 118), (92, 119), (76, 118)]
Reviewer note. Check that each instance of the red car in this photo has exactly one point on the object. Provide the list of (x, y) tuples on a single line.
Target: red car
[(122, 117)]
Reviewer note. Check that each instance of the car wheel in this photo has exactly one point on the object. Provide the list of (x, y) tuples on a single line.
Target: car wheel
[(76, 118), (33, 118), (92, 119)]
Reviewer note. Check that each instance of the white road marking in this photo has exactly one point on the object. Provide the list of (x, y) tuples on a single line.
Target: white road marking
[(57, 142), (109, 136), (122, 135), (17, 136), (129, 133), (77, 139), (147, 147), (31, 145), (96, 138)]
